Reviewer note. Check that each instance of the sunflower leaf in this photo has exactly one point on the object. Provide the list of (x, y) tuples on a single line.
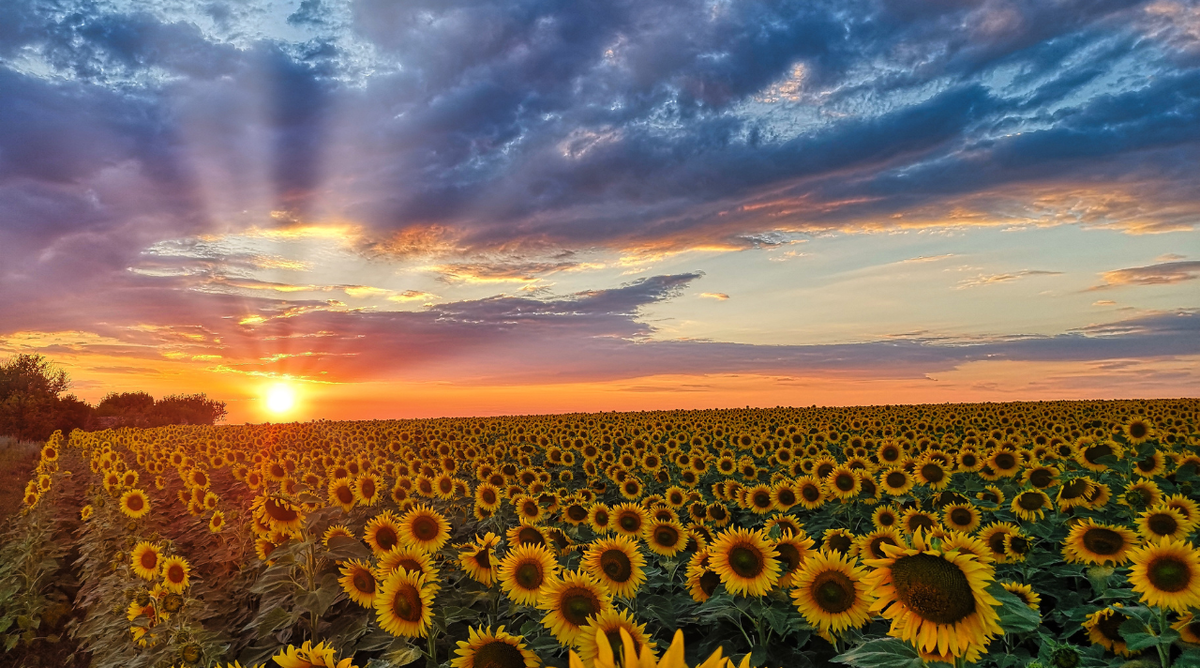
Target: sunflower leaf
[(885, 653), (1015, 616)]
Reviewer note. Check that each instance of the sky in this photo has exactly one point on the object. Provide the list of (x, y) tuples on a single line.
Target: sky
[(391, 209)]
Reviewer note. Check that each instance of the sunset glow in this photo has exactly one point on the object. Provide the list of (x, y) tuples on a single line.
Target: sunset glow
[(493, 210)]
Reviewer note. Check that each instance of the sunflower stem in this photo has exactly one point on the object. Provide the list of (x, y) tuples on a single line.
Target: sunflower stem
[(1164, 649)]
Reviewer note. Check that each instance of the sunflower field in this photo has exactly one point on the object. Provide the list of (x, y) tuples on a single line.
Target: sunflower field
[(1027, 534)]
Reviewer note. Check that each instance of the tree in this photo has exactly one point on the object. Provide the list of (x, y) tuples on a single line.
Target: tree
[(129, 405), (187, 409), (29, 389)]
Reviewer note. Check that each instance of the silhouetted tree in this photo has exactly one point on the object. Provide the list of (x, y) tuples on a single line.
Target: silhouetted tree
[(187, 409), (131, 407), (29, 389)]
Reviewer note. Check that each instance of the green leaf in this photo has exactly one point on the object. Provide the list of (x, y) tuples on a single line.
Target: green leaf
[(1135, 635), (343, 549), (885, 653), (1015, 616)]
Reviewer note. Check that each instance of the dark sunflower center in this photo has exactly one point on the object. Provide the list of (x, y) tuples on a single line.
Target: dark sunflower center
[(618, 645), (407, 604), (746, 561), (934, 588), (386, 537), (577, 604), (833, 592), (919, 521), (1041, 478), (483, 559), (886, 519), (896, 479), (1137, 430), (577, 513), (844, 482), (530, 536), (1075, 489), (838, 542), (425, 528), (1110, 626), (1169, 573), (278, 512), (876, 546), (1163, 524), (149, 560), (762, 499), (489, 497), (630, 522), (1147, 464), (810, 493), (1096, 452), (961, 517), (933, 473), (364, 582), (709, 582), (1030, 501), (602, 519), (824, 470), (1103, 541), (789, 555), (528, 575), (787, 497), (996, 542), (175, 574), (969, 460), (368, 488), (616, 565), (1005, 461), (135, 503), (497, 654), (666, 536)]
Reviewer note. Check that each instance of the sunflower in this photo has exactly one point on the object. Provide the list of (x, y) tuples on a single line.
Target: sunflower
[(358, 582), (525, 571), (487, 496), (1186, 507), (993, 536), (783, 525), (1138, 430), (404, 604), (896, 481), (600, 518), (617, 563), (937, 601), (485, 649), (956, 540), (570, 602), (838, 539), (810, 492), (792, 549), (960, 517), (1031, 505), (608, 625), (991, 494), (1004, 463), (629, 519), (176, 574), (1092, 543), (424, 528), (341, 494), (784, 495), (337, 531), (746, 561), (527, 508), (1024, 592), (279, 513), (135, 504), (1166, 573), (830, 593), (1098, 497), (842, 483), (1041, 476), (915, 519), (367, 489), (702, 581), (931, 473), (1074, 493), (217, 522), (526, 534), (885, 517), (382, 533), (1104, 629), (1090, 453), (478, 558), (1188, 627), (1162, 521), (759, 500), (665, 537), (408, 558), (870, 546), (146, 557), (717, 513), (1150, 465), (309, 656)]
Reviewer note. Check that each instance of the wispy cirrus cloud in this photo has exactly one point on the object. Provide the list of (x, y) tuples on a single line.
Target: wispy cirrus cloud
[(1164, 273)]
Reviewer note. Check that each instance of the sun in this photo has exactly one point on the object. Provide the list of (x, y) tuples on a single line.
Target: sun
[(280, 398)]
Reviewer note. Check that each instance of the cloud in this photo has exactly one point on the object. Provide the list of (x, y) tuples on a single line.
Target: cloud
[(990, 279), (1166, 273), (719, 296)]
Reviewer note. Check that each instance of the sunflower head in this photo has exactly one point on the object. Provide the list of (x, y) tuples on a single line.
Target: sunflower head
[(1166, 573), (570, 602), (484, 648)]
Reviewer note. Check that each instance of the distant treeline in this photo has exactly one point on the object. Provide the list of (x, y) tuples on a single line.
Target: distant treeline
[(33, 404)]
